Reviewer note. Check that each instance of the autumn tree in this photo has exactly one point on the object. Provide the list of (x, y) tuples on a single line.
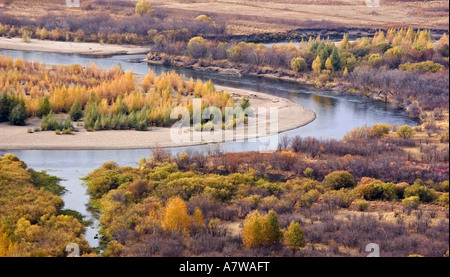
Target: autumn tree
[(345, 42), (261, 230), (143, 7), (317, 65), (329, 65), (176, 218), (294, 237), (252, 232)]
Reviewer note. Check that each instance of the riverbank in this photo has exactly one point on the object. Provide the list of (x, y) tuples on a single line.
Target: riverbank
[(290, 116), (225, 67), (79, 48)]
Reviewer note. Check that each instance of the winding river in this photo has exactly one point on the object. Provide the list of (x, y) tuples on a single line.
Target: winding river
[(336, 115)]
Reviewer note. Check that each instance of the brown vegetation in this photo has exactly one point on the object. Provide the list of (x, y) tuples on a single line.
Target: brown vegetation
[(346, 197)]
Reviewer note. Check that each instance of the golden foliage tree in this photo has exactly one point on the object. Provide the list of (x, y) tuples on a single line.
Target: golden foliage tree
[(261, 230), (317, 65), (294, 238), (176, 218)]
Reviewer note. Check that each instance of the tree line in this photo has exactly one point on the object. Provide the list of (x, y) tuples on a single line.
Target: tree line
[(104, 99)]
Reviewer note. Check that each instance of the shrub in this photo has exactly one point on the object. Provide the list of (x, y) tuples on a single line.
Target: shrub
[(309, 173), (425, 194), (380, 129), (444, 186), (445, 136), (362, 205), (405, 131), (377, 190), (143, 7), (299, 64), (342, 198), (412, 202), (339, 179), (400, 189), (426, 66), (443, 199), (49, 122), (309, 198), (26, 36)]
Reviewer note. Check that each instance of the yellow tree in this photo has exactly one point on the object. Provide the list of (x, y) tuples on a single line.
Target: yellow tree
[(176, 218), (271, 227), (294, 238), (197, 218), (345, 42), (329, 64), (7, 248), (317, 65), (252, 233)]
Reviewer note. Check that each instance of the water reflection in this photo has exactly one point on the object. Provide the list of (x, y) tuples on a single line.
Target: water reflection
[(336, 115)]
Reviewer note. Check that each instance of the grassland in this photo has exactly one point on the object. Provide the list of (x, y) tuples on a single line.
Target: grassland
[(264, 16)]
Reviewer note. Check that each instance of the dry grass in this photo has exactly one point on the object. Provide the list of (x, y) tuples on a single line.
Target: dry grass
[(280, 15), (262, 16), (421, 137)]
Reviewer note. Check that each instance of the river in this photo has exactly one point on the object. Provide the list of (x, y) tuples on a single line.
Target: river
[(336, 115)]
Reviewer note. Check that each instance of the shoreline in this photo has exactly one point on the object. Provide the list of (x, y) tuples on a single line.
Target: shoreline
[(228, 69), (290, 116), (66, 47)]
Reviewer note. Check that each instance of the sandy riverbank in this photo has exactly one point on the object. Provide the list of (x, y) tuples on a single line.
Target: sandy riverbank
[(290, 116), (80, 48)]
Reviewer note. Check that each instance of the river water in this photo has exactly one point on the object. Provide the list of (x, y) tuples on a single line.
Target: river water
[(336, 115)]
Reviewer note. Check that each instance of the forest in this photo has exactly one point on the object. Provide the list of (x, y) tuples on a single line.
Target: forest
[(33, 222), (105, 99), (311, 198)]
